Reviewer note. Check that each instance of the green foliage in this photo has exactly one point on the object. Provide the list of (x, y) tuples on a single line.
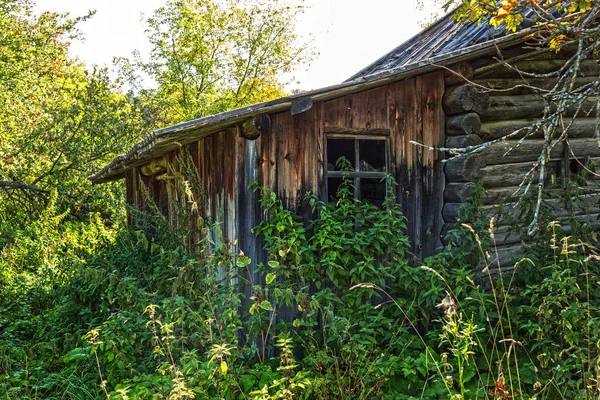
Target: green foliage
[(212, 56), (339, 310), (58, 122)]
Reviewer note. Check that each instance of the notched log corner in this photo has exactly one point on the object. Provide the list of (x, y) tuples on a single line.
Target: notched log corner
[(465, 99), (460, 142), (459, 192), (464, 124), (252, 128), (464, 169)]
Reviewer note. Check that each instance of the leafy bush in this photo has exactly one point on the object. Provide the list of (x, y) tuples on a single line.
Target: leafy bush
[(340, 310)]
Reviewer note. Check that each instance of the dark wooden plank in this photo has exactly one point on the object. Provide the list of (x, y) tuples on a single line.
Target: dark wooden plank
[(405, 169), (266, 151), (248, 214), (230, 183), (136, 187), (322, 143), (313, 156), (130, 194), (369, 109), (289, 158), (431, 89)]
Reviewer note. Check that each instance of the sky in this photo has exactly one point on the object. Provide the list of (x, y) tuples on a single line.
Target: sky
[(347, 34)]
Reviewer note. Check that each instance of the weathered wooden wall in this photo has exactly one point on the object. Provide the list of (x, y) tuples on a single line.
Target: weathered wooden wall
[(511, 108), (289, 159), (407, 111)]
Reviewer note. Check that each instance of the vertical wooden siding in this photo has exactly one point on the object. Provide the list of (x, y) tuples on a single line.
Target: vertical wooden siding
[(412, 111), (289, 160)]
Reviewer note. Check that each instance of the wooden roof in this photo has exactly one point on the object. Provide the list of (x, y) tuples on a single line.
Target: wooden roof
[(442, 37), (444, 43)]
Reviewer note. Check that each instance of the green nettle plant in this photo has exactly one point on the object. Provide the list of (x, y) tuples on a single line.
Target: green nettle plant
[(341, 309)]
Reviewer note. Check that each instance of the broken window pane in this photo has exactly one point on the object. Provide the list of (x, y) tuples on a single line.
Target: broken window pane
[(372, 191), (334, 185), (337, 148), (372, 155)]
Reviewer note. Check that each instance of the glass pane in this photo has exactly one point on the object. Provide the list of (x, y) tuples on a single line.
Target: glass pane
[(338, 148), (372, 155), (372, 191)]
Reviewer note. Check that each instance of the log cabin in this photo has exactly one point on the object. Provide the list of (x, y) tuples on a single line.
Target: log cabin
[(430, 90)]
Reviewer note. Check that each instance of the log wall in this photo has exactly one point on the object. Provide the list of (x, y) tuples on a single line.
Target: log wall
[(499, 113)]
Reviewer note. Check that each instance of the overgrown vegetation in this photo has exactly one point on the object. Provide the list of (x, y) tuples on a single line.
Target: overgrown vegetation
[(90, 308), (338, 311)]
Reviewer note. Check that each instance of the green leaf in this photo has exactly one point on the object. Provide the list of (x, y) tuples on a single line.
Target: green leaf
[(224, 367), (266, 305), (270, 277)]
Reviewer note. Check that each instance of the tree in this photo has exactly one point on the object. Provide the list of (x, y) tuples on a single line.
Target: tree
[(58, 122), (210, 56), (570, 27)]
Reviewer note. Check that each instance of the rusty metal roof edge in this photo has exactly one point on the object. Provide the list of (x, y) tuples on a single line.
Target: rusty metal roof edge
[(120, 164)]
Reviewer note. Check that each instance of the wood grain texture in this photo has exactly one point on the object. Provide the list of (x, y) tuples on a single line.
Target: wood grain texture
[(429, 103), (465, 99), (405, 166), (463, 124), (363, 110)]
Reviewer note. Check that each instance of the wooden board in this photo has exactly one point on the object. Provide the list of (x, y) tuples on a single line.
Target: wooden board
[(430, 90), (364, 110), (405, 166)]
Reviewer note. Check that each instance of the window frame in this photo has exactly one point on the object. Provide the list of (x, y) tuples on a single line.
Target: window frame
[(356, 135)]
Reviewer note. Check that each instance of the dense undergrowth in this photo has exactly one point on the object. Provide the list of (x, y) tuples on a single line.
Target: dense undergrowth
[(339, 310)]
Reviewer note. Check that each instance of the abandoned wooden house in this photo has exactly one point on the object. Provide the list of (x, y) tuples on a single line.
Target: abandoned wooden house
[(415, 94)]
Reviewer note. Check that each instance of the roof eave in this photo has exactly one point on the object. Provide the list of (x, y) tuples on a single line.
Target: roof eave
[(146, 149)]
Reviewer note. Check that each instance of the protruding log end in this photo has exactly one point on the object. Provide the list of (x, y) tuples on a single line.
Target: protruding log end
[(464, 99), (459, 192), (460, 142), (464, 169), (253, 127), (301, 105), (452, 212), (464, 124)]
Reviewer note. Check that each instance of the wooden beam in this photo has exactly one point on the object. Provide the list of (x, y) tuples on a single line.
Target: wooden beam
[(253, 127), (580, 128), (463, 124), (465, 99), (356, 131), (530, 150), (464, 169), (460, 142), (502, 108)]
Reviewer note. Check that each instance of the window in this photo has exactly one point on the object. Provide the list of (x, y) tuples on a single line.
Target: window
[(573, 169), (362, 158)]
